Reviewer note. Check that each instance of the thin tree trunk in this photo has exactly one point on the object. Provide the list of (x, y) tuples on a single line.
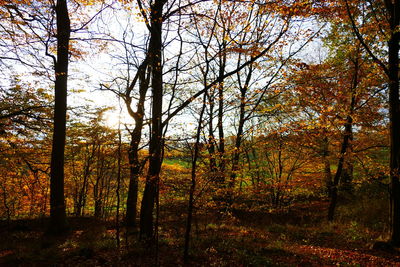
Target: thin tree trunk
[(242, 120), (97, 188), (83, 192), (221, 135), (338, 174), (211, 137), (193, 184), (345, 144), (220, 125), (117, 191)]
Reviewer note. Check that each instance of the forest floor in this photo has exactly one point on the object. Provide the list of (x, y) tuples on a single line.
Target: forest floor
[(296, 237)]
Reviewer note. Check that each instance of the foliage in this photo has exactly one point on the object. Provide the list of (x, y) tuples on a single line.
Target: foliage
[(242, 110)]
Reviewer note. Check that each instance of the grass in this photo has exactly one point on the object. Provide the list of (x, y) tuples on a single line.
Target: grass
[(185, 163)]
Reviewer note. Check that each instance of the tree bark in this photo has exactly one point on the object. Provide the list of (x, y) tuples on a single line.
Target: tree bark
[(394, 114), (239, 136), (334, 187), (133, 153), (211, 137), (220, 125), (58, 222), (134, 169), (392, 71), (193, 185), (155, 147), (347, 135)]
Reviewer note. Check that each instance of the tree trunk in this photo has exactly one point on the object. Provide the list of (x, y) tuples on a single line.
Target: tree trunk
[(394, 114), (117, 191), (242, 120), (347, 135), (58, 222), (211, 137), (221, 136), (344, 148), (131, 202), (392, 71), (133, 153), (236, 152), (347, 174), (155, 147), (220, 125), (98, 185), (193, 185)]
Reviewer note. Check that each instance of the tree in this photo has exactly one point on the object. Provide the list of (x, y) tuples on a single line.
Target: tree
[(24, 130), (57, 203), (38, 32), (385, 19), (155, 24), (191, 204), (155, 147), (332, 98)]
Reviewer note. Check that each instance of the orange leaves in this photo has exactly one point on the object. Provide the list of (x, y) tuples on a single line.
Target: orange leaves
[(302, 8), (15, 2), (87, 2), (76, 51), (340, 257)]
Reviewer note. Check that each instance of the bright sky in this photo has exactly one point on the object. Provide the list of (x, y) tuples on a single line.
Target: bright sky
[(86, 74)]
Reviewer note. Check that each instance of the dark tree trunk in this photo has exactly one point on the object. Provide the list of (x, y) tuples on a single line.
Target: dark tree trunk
[(347, 135), (211, 137), (155, 148), (255, 160), (394, 114), (334, 186), (193, 185), (220, 125), (6, 204), (242, 120), (238, 143), (117, 191), (134, 169), (347, 174), (221, 135), (133, 153), (346, 181), (98, 186), (80, 206), (58, 222), (392, 71)]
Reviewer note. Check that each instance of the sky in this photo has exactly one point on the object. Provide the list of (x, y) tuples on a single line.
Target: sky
[(102, 66)]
